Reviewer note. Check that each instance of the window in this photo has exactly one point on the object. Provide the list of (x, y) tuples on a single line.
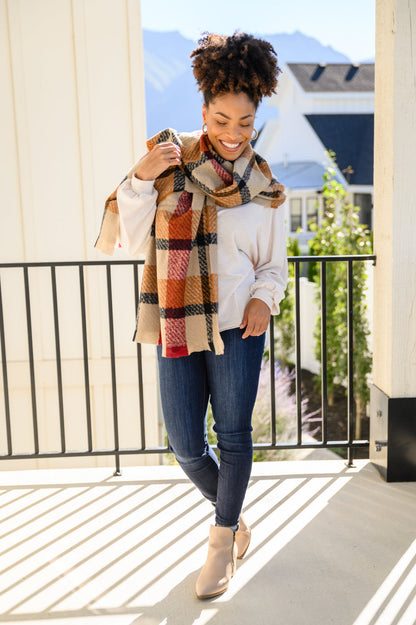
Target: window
[(295, 213), (364, 201), (311, 211)]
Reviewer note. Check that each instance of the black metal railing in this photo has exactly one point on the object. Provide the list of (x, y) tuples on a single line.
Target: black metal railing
[(142, 448)]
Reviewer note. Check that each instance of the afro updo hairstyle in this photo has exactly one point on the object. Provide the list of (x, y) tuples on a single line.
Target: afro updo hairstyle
[(236, 63)]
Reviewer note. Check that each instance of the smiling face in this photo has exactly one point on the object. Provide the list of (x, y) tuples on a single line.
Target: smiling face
[(230, 121)]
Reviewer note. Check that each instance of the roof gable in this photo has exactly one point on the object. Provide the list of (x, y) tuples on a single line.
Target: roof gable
[(334, 77)]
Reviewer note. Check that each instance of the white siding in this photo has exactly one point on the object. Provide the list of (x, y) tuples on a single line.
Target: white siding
[(73, 120), (333, 103)]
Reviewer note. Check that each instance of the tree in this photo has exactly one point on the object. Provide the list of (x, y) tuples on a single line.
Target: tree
[(339, 232)]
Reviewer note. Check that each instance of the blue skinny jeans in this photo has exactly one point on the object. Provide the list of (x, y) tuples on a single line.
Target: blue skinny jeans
[(230, 383)]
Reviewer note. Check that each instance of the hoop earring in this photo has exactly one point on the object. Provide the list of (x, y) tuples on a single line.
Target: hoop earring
[(206, 128), (255, 136)]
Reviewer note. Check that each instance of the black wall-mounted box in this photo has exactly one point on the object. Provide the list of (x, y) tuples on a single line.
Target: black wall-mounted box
[(393, 435)]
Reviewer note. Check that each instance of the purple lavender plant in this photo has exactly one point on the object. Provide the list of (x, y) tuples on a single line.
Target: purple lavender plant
[(286, 414)]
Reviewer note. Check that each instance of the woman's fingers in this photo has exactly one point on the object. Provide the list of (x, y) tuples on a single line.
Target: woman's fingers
[(255, 330), (160, 157), (170, 150), (164, 155), (255, 327), (256, 318)]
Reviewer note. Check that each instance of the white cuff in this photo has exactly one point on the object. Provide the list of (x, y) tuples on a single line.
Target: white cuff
[(267, 292), (142, 186)]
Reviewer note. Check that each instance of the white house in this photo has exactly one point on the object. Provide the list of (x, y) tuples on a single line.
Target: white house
[(321, 107)]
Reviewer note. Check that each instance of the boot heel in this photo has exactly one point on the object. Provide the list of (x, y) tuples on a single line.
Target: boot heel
[(242, 538)]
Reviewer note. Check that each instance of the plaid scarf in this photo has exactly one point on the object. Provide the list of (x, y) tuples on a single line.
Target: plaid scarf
[(178, 303)]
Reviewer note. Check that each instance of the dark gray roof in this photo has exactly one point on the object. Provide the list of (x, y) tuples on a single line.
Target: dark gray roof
[(351, 137), (343, 77)]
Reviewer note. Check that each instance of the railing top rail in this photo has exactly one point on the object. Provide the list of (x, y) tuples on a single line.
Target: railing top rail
[(333, 257), (78, 263), (73, 263)]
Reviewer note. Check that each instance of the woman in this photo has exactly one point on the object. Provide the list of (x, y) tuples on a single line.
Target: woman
[(203, 207)]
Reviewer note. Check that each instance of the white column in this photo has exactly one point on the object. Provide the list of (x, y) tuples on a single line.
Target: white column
[(395, 199), (394, 331)]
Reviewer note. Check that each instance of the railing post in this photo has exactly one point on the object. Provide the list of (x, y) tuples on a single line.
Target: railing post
[(298, 357), (58, 359), (139, 363), (5, 379), (350, 377), (85, 356), (324, 364), (113, 369), (31, 360), (272, 383)]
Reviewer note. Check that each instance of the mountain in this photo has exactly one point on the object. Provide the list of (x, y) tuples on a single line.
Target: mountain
[(172, 98), (299, 48)]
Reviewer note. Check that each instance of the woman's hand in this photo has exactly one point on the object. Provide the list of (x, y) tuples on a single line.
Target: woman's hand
[(161, 157), (256, 318)]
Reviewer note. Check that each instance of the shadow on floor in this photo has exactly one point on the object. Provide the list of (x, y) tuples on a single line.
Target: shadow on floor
[(330, 545)]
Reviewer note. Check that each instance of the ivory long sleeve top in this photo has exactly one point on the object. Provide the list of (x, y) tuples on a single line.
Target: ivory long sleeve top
[(251, 250)]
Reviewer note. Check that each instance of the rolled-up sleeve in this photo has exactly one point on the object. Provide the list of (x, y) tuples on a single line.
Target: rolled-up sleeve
[(136, 201), (271, 270)]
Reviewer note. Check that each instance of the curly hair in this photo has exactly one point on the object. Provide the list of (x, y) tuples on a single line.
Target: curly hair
[(236, 63)]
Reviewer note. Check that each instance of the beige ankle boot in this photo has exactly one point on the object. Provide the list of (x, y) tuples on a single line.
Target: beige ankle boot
[(242, 537), (220, 565)]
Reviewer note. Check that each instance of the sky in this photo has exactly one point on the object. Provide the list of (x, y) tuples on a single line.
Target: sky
[(348, 26)]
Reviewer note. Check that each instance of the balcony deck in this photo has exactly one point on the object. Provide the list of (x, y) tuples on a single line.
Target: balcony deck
[(330, 545)]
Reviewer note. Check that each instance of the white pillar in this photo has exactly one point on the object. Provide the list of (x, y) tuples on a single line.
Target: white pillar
[(72, 114), (393, 400)]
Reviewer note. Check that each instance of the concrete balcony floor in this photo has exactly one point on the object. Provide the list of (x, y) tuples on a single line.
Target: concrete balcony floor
[(330, 545)]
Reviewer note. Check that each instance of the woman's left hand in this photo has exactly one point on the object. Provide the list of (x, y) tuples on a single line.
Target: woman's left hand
[(256, 318)]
